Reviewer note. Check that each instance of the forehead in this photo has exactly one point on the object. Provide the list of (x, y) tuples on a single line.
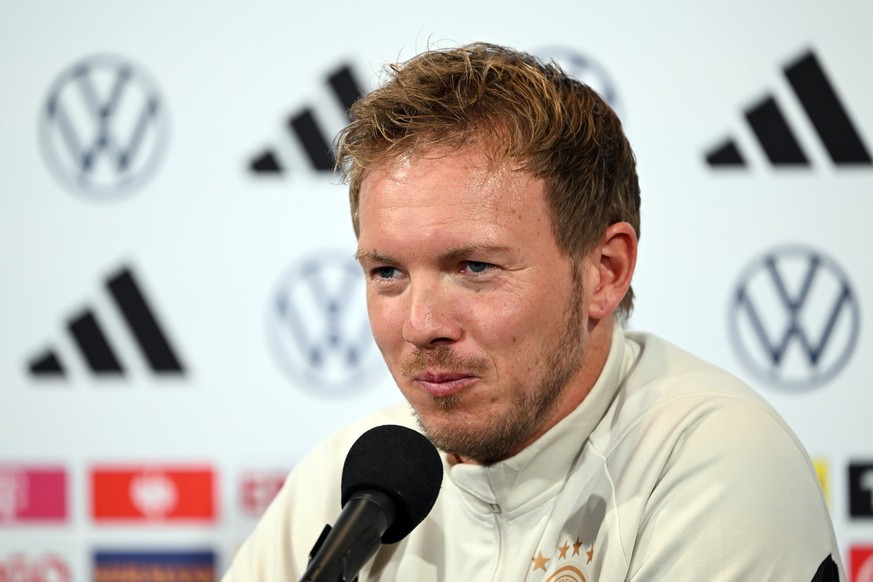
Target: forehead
[(467, 175), (456, 200)]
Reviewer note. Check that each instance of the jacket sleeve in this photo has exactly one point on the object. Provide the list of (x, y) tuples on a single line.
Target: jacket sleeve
[(737, 500)]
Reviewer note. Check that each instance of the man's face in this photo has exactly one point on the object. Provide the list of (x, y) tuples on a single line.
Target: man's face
[(478, 314)]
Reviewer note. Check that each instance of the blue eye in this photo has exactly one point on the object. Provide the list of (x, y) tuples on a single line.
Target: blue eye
[(477, 266), (385, 272)]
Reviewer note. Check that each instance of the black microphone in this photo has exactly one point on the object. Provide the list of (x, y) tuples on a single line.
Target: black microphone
[(391, 479)]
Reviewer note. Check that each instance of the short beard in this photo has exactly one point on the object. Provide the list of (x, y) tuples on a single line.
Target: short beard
[(498, 438)]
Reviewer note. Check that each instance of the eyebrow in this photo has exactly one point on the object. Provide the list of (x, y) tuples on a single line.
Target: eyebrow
[(472, 249), (374, 256), (451, 254)]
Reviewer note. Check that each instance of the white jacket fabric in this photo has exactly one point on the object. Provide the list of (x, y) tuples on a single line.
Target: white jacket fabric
[(671, 469)]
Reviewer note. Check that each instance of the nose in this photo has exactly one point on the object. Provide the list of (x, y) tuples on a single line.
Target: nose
[(431, 317)]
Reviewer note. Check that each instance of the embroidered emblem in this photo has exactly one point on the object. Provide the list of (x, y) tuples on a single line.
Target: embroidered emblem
[(564, 572)]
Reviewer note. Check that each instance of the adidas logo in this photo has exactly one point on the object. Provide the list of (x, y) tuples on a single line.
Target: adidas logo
[(772, 130), (89, 337), (308, 131)]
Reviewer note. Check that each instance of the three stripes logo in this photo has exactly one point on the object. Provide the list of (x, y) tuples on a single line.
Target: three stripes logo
[(89, 336), (311, 130), (772, 130)]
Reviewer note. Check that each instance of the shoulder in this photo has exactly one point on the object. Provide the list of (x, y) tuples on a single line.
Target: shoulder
[(663, 368), (667, 388), (695, 451), (669, 397)]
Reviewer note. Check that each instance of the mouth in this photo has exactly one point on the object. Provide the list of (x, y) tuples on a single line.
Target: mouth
[(444, 384)]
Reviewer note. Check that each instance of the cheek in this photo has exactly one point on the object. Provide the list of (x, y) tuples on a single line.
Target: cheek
[(506, 321), (516, 330), (386, 321)]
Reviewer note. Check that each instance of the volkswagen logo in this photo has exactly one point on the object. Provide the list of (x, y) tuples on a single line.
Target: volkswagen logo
[(319, 325), (584, 69), (104, 127), (794, 318)]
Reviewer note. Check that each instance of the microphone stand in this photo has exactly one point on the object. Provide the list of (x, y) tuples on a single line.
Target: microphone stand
[(341, 551)]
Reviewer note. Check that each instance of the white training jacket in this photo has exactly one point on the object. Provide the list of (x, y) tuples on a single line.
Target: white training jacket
[(670, 469)]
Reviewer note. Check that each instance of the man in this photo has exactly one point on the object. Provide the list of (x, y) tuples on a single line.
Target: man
[(496, 205)]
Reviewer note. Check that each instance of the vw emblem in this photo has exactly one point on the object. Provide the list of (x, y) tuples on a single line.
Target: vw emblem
[(103, 128), (584, 69), (319, 325), (794, 318)]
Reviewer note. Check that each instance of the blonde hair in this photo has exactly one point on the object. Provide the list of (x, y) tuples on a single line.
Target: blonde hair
[(526, 111)]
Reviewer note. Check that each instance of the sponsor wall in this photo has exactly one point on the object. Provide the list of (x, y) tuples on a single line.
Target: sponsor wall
[(180, 315)]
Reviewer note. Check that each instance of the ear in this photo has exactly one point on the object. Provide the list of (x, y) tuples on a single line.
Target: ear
[(611, 265)]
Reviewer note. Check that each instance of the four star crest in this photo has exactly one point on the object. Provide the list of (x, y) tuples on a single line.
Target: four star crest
[(539, 561)]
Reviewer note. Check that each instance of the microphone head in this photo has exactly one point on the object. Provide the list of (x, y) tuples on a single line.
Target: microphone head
[(400, 463)]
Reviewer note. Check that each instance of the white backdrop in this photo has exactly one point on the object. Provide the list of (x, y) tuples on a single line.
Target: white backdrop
[(245, 272)]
